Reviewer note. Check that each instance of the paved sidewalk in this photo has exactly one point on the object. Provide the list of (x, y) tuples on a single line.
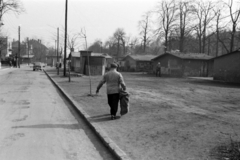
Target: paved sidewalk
[(4, 67), (96, 115)]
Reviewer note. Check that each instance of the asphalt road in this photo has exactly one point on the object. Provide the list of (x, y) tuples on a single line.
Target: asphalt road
[(36, 123)]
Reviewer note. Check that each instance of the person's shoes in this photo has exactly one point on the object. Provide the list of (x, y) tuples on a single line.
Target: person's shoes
[(112, 117)]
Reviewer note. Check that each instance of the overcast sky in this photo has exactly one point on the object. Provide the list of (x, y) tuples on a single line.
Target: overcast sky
[(100, 18)]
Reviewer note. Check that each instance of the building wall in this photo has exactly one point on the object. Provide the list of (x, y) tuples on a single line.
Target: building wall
[(143, 66), (227, 68), (130, 64), (170, 65), (174, 66), (26, 60), (52, 61), (210, 68), (196, 68), (75, 64), (97, 65)]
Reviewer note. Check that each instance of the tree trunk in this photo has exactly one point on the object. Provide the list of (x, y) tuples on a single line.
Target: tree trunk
[(200, 44), (232, 38), (209, 41), (217, 43), (181, 43), (166, 41)]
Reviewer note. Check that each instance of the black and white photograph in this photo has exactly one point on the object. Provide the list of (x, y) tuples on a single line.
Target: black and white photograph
[(119, 80)]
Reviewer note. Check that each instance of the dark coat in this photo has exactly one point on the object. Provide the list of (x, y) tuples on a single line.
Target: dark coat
[(124, 102)]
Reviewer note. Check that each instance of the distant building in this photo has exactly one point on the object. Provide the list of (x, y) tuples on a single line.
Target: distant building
[(119, 60), (227, 67), (26, 59), (52, 60), (75, 58), (98, 62), (138, 63), (185, 64), (32, 47), (15, 49)]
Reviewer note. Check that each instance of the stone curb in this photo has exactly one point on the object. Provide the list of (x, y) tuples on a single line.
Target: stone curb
[(120, 154)]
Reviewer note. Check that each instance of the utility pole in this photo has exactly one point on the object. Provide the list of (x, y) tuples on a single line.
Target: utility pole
[(0, 42), (19, 48), (40, 42), (28, 50), (57, 50), (65, 40)]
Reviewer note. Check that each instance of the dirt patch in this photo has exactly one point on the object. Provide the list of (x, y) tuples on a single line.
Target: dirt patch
[(229, 151), (169, 118)]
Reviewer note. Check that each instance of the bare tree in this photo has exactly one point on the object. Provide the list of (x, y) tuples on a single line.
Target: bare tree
[(145, 28), (119, 36), (133, 42), (166, 19), (83, 34), (218, 9), (96, 46), (7, 7), (204, 14), (72, 41), (234, 20), (14, 6), (185, 26)]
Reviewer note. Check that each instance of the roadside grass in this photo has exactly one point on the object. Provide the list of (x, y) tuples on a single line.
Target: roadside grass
[(165, 113)]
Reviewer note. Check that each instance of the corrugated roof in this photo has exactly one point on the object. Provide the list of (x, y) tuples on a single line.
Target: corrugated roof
[(237, 51), (75, 54), (100, 55), (199, 56), (192, 56), (93, 54), (142, 57), (26, 56), (53, 56)]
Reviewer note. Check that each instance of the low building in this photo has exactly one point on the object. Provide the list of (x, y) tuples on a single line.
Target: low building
[(119, 60), (95, 63), (52, 60), (227, 67), (75, 61), (138, 63), (184, 64), (26, 59)]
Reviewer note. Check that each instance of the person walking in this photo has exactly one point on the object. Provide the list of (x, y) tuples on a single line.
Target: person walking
[(115, 83), (158, 70)]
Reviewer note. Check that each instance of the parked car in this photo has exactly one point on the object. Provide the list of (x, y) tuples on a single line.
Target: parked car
[(37, 66), (43, 64)]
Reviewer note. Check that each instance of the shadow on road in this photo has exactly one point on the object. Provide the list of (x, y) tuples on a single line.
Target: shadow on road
[(214, 83), (43, 126), (100, 118)]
